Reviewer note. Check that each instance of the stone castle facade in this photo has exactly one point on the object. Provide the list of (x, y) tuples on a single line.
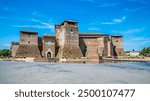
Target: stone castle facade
[(68, 43)]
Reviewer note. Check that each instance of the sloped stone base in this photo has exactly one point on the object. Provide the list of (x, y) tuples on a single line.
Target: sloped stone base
[(28, 51), (68, 52)]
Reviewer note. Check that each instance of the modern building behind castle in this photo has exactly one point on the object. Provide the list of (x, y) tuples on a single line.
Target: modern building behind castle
[(68, 43)]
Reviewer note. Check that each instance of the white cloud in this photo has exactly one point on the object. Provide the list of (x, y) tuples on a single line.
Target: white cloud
[(48, 25), (41, 25), (94, 29), (118, 20), (108, 5), (7, 45), (124, 18), (108, 23), (115, 21), (32, 26)]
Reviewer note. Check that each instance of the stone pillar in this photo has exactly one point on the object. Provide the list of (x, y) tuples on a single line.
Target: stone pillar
[(109, 48)]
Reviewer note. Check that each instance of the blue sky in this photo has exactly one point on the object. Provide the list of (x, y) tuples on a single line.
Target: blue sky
[(130, 18)]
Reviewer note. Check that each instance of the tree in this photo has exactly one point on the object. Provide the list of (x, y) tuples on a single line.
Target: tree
[(145, 51), (4, 53), (0, 53)]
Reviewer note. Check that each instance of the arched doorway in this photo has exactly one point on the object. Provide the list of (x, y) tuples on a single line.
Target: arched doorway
[(49, 55)]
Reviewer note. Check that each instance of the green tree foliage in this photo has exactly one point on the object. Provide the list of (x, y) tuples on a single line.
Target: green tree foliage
[(4, 53), (146, 52)]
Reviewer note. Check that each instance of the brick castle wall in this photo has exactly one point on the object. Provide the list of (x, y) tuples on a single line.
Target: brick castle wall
[(118, 45)]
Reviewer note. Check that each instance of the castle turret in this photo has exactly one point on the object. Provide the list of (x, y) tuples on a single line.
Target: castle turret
[(28, 46), (117, 42), (68, 40)]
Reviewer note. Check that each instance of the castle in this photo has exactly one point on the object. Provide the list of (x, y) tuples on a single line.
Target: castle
[(68, 43)]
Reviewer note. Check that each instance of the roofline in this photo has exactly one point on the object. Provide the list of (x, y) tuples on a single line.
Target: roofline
[(70, 21), (116, 36), (15, 43), (48, 35), (29, 32), (93, 35), (58, 25)]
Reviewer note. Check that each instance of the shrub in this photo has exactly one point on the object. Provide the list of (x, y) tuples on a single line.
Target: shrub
[(145, 51), (4, 53)]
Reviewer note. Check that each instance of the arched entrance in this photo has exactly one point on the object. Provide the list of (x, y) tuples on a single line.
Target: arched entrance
[(49, 55)]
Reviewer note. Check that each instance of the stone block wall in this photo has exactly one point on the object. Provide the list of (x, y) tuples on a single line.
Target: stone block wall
[(58, 29), (14, 48), (108, 47), (117, 42), (92, 46), (28, 38), (48, 45)]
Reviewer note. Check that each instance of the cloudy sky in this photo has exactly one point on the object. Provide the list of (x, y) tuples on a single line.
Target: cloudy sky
[(130, 18)]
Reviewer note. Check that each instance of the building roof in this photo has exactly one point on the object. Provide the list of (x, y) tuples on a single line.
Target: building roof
[(70, 21), (58, 25), (116, 36), (48, 35), (27, 31), (92, 35), (15, 43)]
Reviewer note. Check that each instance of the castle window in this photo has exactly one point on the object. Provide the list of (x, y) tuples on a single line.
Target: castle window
[(28, 42), (72, 29)]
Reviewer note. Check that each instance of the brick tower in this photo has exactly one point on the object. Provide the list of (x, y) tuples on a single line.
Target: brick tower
[(117, 45), (28, 46), (67, 37)]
